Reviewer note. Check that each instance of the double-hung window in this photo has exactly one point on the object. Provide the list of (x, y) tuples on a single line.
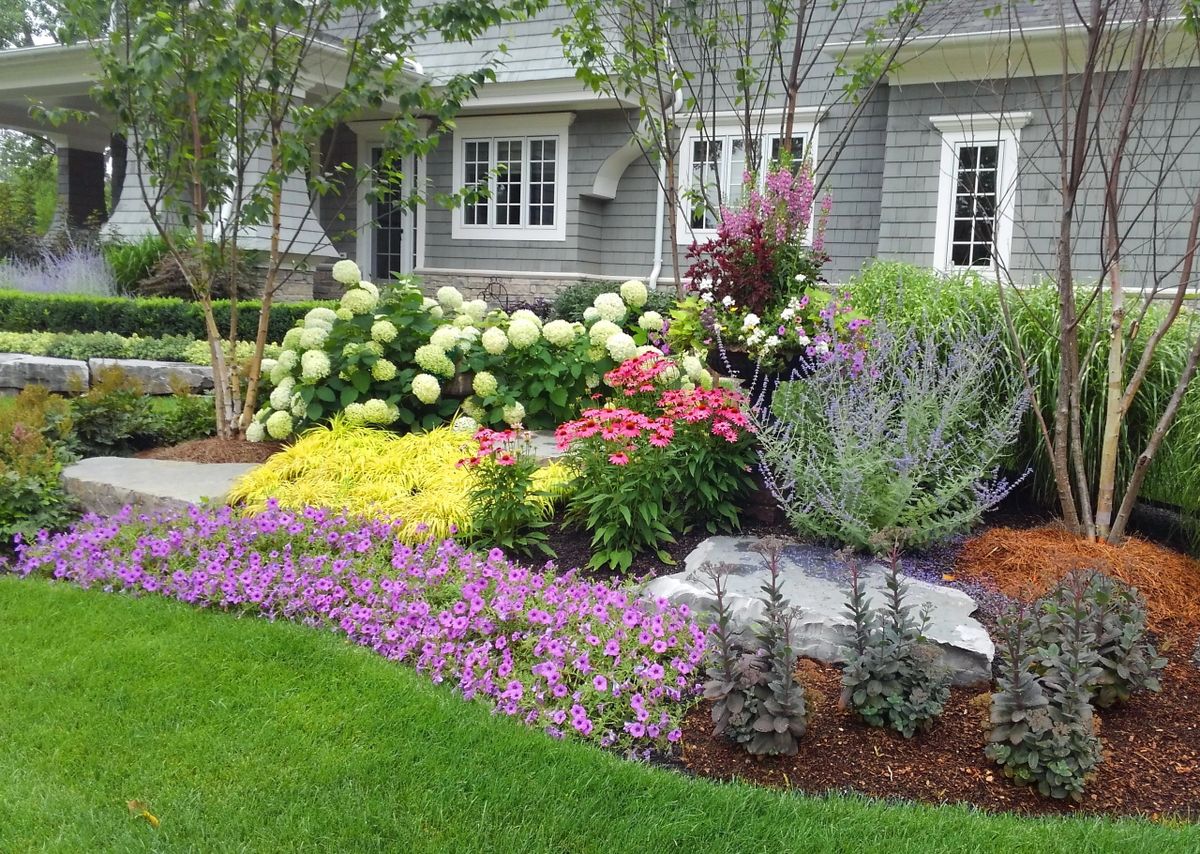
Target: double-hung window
[(517, 168), (713, 163), (977, 189)]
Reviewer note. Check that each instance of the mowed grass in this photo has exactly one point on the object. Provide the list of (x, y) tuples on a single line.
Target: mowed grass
[(244, 735)]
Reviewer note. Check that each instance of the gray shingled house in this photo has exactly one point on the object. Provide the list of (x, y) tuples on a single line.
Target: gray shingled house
[(951, 163)]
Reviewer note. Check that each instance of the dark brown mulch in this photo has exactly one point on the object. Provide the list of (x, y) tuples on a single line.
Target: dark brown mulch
[(1151, 761), (215, 451)]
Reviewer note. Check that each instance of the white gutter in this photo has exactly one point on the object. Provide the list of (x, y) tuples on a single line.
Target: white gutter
[(660, 208)]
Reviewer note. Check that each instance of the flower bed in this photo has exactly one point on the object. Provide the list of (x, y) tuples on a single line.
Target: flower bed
[(576, 658)]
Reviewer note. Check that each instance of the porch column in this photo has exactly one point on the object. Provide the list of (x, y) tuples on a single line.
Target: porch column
[(80, 188)]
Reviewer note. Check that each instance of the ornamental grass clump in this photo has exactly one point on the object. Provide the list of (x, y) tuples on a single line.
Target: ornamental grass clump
[(355, 469), (757, 700), (1043, 731), (576, 658), (906, 441), (891, 677)]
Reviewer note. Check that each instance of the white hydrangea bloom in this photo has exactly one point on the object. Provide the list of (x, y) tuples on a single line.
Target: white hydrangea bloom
[(433, 358), (288, 360), (278, 374), (346, 272), (359, 301), (526, 314), (648, 348), (426, 388), (590, 314), (591, 380), (474, 408), (464, 424), (373, 347), (376, 411), (495, 341), (559, 333), (313, 339), (352, 349), (523, 333), (476, 309), (344, 314), (705, 380), (355, 413), (670, 375), (634, 293), (513, 414), (601, 331), (319, 316), (256, 432), (370, 287), (692, 366), (266, 366), (428, 303), (314, 365), (651, 321), (298, 407), (383, 371), (282, 395), (468, 333), (485, 384), (291, 339), (610, 306), (449, 298), (444, 338), (596, 353), (383, 331), (621, 347), (279, 425)]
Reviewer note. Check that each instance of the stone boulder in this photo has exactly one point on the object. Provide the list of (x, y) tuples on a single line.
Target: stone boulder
[(18, 370), (104, 485), (817, 582), (156, 377)]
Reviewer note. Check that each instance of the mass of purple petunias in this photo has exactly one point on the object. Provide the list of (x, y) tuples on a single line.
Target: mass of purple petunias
[(574, 657)]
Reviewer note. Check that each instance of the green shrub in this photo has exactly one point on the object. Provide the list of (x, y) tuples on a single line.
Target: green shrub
[(98, 345), (33, 450), (575, 299), (144, 316), (112, 418), (183, 417), (913, 296), (132, 261)]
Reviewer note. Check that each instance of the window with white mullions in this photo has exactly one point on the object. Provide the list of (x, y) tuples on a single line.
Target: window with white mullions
[(977, 190), (543, 159), (393, 232), (975, 206), (476, 165), (509, 181)]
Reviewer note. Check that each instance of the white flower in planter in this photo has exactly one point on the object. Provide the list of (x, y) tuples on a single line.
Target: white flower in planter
[(750, 321)]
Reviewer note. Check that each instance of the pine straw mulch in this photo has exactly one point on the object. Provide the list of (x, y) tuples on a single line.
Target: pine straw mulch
[(1151, 764), (215, 451), (1026, 563)]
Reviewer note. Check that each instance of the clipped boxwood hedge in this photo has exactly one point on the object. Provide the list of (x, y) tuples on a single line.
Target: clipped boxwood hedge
[(142, 316)]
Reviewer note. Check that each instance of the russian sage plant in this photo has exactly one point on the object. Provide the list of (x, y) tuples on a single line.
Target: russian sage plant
[(906, 440)]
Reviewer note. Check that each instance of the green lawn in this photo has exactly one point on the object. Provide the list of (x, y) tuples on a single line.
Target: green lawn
[(246, 735)]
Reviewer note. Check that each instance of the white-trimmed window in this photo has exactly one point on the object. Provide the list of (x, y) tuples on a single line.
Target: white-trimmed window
[(520, 164), (977, 190), (712, 163), (391, 233)]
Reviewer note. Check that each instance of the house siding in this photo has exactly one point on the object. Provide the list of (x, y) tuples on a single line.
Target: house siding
[(1155, 222)]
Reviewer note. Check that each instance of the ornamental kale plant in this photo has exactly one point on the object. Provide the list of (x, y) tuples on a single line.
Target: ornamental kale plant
[(891, 676), (904, 437), (1126, 656), (507, 509), (576, 658), (757, 699), (1043, 730)]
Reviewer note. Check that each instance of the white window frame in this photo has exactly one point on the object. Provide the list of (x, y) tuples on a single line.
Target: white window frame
[(1004, 131), (370, 135), (540, 126), (727, 126)]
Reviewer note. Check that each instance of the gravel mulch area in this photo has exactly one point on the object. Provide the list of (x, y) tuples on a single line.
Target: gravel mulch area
[(215, 451)]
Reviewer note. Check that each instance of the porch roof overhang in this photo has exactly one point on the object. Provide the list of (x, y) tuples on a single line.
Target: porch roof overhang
[(55, 76), (1008, 52)]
